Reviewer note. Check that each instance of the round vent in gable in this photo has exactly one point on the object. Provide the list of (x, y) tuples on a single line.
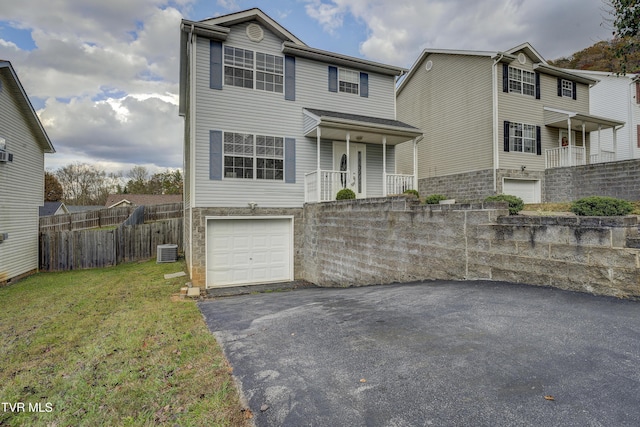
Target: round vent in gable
[(429, 65), (521, 58), (255, 32)]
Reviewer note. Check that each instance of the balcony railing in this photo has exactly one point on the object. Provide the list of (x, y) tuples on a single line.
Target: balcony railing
[(323, 186), (564, 156), (603, 157)]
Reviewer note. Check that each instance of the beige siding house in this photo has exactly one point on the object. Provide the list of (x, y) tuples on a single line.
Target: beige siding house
[(23, 143), (493, 122)]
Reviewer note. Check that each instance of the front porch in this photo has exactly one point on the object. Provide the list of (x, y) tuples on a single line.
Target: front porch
[(356, 152), (569, 152)]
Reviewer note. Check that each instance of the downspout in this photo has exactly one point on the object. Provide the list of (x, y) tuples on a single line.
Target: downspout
[(496, 164), (630, 129), (192, 120)]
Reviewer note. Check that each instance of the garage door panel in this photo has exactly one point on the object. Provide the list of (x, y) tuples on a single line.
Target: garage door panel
[(248, 251), (527, 190)]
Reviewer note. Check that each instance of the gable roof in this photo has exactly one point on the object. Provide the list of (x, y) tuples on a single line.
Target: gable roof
[(6, 70), (50, 208), (142, 199), (508, 56)]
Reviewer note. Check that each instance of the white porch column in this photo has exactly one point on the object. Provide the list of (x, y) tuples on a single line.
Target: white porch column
[(348, 160), (415, 164), (584, 144), (570, 151), (599, 149), (318, 173), (384, 166), (615, 143)]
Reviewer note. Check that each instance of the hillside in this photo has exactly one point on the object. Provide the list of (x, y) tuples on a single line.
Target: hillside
[(599, 57)]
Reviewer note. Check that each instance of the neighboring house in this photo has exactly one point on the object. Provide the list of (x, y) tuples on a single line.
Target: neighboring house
[(53, 208), (618, 97), (23, 143), (120, 200), (494, 121), (271, 123), (78, 208)]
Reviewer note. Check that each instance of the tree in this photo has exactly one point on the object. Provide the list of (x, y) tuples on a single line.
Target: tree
[(167, 182), (52, 188), (625, 23), (85, 184), (139, 177)]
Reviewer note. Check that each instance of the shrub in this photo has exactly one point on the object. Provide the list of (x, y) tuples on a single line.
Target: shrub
[(414, 192), (345, 194), (515, 203), (601, 206), (434, 199)]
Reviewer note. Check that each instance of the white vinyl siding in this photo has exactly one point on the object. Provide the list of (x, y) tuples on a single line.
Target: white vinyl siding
[(22, 189), (268, 113)]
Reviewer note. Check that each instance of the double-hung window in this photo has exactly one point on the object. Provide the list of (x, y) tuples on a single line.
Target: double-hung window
[(242, 67), (253, 156), (522, 138), (522, 81), (348, 81), (567, 88)]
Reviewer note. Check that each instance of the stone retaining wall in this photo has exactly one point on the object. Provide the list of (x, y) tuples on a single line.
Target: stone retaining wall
[(386, 240)]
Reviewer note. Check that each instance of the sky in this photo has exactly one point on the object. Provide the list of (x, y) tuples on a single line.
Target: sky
[(103, 75)]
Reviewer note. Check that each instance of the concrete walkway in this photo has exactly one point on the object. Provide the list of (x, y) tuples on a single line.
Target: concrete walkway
[(433, 354)]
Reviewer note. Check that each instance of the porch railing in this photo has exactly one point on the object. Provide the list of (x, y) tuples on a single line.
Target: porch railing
[(330, 183), (398, 184), (603, 157), (564, 156)]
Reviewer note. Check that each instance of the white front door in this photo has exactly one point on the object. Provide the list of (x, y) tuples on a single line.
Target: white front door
[(355, 179)]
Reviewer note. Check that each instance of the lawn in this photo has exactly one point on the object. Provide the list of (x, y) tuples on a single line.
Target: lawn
[(110, 347)]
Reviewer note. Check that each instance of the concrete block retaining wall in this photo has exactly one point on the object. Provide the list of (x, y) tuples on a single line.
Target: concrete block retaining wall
[(386, 240)]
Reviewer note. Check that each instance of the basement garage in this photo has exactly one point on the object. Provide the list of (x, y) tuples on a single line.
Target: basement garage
[(249, 250), (527, 190)]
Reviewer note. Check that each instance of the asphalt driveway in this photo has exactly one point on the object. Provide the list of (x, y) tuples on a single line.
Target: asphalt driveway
[(434, 353)]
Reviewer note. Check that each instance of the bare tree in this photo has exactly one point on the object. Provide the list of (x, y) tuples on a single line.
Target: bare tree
[(85, 184)]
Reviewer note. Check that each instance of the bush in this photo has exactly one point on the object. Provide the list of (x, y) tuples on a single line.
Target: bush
[(601, 206), (345, 194), (515, 203), (414, 192), (434, 199)]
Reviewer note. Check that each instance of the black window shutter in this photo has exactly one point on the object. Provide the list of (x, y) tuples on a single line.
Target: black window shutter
[(506, 136), (215, 66), (290, 160), (559, 86), (575, 90), (333, 79), (505, 78), (290, 78), (537, 85), (538, 141), (364, 85), (215, 155)]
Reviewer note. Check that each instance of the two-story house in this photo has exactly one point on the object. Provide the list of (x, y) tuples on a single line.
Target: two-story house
[(23, 144), (271, 123), (494, 121), (616, 96)]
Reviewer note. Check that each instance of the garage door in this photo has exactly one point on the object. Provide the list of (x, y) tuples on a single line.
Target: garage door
[(527, 190), (249, 251)]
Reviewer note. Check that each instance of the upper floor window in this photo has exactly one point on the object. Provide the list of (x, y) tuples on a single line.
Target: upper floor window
[(522, 137), (567, 88), (253, 156), (348, 81), (522, 81), (241, 70)]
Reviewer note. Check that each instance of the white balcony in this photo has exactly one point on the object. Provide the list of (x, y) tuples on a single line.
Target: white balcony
[(323, 185), (565, 156)]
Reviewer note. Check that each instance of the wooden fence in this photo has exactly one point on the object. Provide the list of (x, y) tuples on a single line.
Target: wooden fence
[(107, 217), (78, 249)]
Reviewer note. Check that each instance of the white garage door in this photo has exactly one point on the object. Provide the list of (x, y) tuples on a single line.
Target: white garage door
[(527, 190), (249, 251)]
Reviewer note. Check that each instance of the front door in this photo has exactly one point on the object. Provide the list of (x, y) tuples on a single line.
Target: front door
[(355, 178)]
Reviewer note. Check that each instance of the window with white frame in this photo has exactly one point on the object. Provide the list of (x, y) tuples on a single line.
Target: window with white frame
[(269, 72), (348, 81), (522, 81), (241, 70), (253, 156), (567, 88), (522, 137)]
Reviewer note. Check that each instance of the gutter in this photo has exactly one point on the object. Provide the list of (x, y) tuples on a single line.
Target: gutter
[(494, 83)]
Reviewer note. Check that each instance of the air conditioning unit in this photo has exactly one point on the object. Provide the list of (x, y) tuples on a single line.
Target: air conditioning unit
[(167, 253), (5, 157)]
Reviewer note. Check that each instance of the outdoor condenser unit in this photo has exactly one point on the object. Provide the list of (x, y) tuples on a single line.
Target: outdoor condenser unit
[(167, 253)]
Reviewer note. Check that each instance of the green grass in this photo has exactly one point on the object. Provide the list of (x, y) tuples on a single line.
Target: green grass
[(111, 347)]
